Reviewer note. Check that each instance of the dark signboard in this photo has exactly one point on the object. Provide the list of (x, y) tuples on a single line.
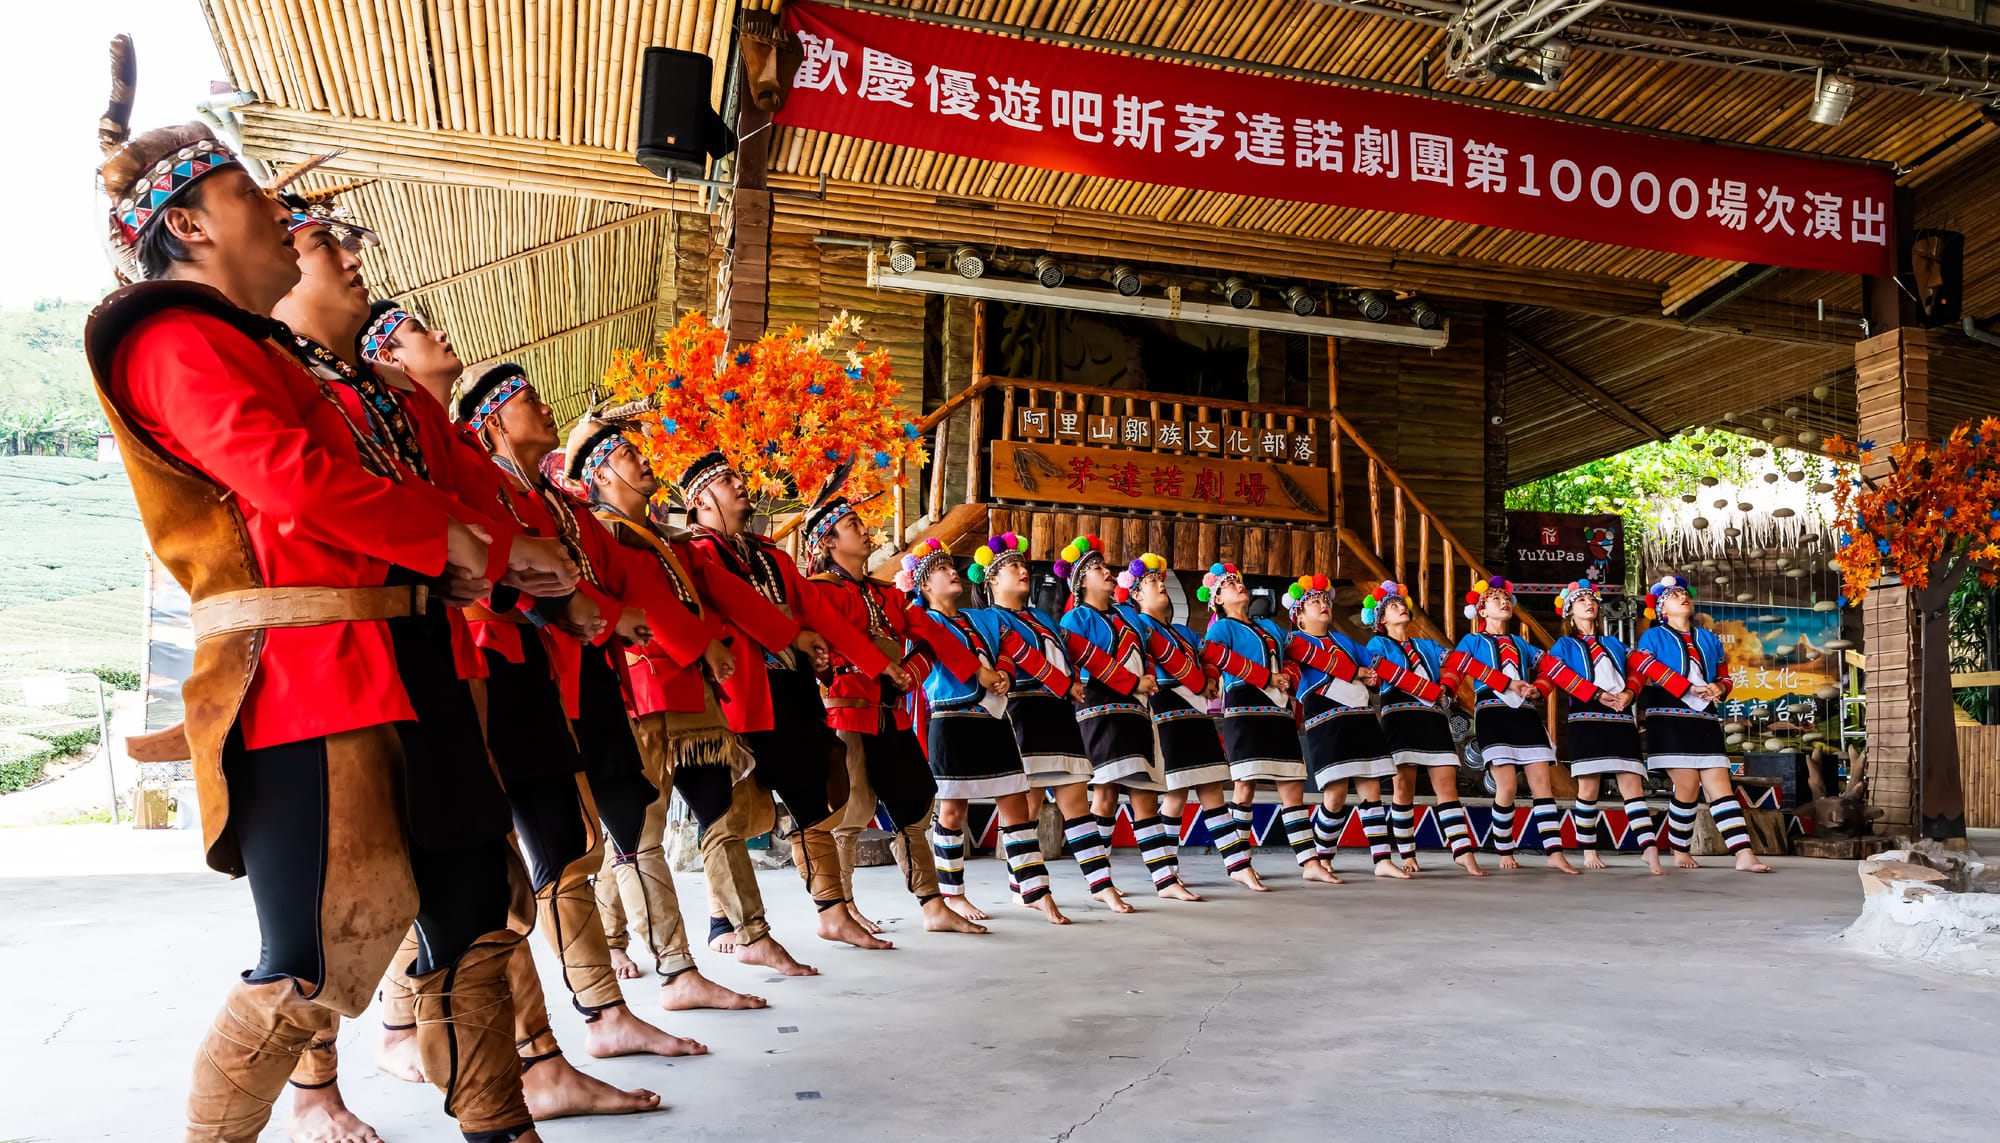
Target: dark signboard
[(1546, 550)]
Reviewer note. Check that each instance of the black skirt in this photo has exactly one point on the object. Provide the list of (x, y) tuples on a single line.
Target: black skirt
[(1118, 738), (1678, 737), (1511, 735), (526, 727), (1602, 741), (1262, 747), (1420, 736), (1190, 746), (1344, 742), (1046, 734), (451, 797), (973, 756)]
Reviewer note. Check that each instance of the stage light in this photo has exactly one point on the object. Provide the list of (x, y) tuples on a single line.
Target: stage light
[(1832, 96), (1550, 62), (967, 262), (1371, 305), (1048, 272), (902, 257), (1300, 301), (1238, 293), (1424, 315), (1125, 280)]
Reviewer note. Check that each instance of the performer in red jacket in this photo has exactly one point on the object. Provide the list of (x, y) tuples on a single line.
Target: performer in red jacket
[(885, 762), (283, 522), (786, 631)]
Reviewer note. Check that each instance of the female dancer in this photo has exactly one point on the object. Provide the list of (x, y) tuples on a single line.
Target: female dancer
[(1258, 731), (1190, 748), (1117, 733), (1343, 740), (1603, 735), (1510, 731), (971, 753), (1044, 721), (1418, 682), (1686, 676)]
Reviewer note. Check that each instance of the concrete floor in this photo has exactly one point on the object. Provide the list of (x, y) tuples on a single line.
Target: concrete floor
[(1706, 1006)]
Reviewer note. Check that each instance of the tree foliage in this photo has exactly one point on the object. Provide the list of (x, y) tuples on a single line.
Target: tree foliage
[(1934, 515), (46, 403)]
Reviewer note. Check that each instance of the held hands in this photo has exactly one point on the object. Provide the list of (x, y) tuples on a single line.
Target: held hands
[(465, 562), (1283, 682), (1618, 700), (580, 617), (810, 644), (897, 676), (995, 681), (1367, 677), (539, 565), (1076, 692), (1147, 685), (721, 661), (1710, 691), (1524, 689), (632, 626), (1213, 689)]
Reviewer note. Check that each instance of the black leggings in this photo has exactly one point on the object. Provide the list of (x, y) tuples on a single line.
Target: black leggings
[(278, 813), (548, 822), (900, 776), (707, 790), (803, 763)]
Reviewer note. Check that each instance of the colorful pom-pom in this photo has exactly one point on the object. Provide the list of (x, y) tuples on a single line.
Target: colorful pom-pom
[(1216, 569), (1136, 569), (1203, 594), (1071, 554), (1471, 611), (976, 573)]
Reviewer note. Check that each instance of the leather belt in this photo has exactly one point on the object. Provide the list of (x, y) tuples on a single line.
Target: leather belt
[(259, 607)]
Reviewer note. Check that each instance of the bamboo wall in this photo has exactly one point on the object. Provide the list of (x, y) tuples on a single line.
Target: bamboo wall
[(1979, 773)]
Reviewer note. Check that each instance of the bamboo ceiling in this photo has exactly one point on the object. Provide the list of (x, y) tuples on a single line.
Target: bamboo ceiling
[(510, 97)]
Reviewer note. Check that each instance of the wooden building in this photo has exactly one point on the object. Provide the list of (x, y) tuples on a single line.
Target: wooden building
[(501, 134)]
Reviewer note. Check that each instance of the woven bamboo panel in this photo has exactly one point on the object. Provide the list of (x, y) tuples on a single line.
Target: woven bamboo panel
[(1979, 774)]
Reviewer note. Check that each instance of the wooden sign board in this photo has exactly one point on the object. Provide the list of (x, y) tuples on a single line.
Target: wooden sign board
[(1212, 437), (1158, 482)]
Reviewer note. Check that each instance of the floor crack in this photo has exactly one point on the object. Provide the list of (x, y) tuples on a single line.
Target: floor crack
[(1186, 1047), (67, 1017)]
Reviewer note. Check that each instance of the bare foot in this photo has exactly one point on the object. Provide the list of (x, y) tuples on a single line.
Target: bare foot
[(617, 1032), (1685, 861), (1746, 862), (1176, 891), (838, 925), (1652, 859), (623, 964), (319, 1115), (691, 989), (723, 942), (554, 1089), (1247, 877), (942, 918), (1386, 868), (1410, 865), (861, 918), (1113, 899), (1508, 862), (1048, 907), (964, 907), (1559, 861), (1470, 863), (766, 952), (1316, 870), (1592, 861), (398, 1055)]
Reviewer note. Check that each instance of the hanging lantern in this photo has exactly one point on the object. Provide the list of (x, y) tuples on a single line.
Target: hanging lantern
[(1794, 412), (1826, 605), (1781, 441), (1821, 392), (1770, 478), (1688, 498), (1744, 506), (1770, 424), (1744, 597), (1721, 579), (1755, 553), (1783, 562), (1760, 452), (1796, 475), (1729, 418), (1732, 531), (1783, 513), (1821, 488), (1708, 565), (1709, 482), (1769, 619), (1795, 573), (1720, 450), (1724, 503), (1808, 438), (1700, 523), (1733, 740), (1773, 745)]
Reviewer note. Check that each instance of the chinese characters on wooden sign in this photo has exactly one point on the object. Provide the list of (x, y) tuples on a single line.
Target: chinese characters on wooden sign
[(1068, 426), (1237, 484)]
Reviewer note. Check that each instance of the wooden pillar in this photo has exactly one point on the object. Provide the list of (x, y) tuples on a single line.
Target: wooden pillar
[(1496, 438), (743, 297)]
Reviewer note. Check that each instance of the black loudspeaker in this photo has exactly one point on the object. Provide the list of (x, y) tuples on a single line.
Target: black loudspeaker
[(677, 127), (1937, 272)]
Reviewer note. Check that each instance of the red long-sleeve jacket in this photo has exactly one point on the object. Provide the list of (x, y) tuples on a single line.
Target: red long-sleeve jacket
[(853, 699), (246, 415), (665, 673)]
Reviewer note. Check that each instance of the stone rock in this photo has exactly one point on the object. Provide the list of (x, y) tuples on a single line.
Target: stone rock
[(1935, 906), (871, 848)]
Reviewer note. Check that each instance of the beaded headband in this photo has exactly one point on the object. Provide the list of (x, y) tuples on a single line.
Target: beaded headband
[(918, 565), (1077, 557), (1136, 572), (502, 393), (1495, 585), (1212, 580), (376, 336), (996, 553), (164, 181), (1305, 588), (706, 470), (1372, 607)]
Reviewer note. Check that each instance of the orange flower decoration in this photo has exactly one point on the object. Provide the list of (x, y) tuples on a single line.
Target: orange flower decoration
[(1939, 504)]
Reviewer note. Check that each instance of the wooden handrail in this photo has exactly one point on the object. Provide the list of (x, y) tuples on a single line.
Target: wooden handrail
[(1151, 395), (929, 420)]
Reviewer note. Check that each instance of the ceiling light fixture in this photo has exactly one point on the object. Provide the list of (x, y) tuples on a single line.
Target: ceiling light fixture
[(1300, 301), (1238, 293), (1048, 272), (1125, 280), (967, 262), (1371, 305), (1833, 94), (1424, 314), (902, 257)]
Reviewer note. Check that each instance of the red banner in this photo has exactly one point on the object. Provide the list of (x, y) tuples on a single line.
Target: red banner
[(987, 96)]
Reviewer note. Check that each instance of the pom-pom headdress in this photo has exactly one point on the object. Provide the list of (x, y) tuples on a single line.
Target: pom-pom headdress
[(1076, 558), (1493, 585), (1571, 592), (1213, 579), (1135, 573), (1307, 587), (997, 552), (1667, 583), (918, 565), (143, 176), (1371, 607)]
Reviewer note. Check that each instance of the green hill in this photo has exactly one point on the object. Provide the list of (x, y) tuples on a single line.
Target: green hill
[(46, 404)]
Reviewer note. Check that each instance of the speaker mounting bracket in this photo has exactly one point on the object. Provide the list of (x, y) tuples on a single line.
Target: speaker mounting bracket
[(816, 196)]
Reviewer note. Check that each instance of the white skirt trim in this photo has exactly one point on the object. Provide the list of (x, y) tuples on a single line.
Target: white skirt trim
[(1200, 776), (1134, 772), (1687, 762), (1583, 767), (1503, 755), (1055, 769), (982, 787), (1382, 767), (1425, 758), (1267, 770)]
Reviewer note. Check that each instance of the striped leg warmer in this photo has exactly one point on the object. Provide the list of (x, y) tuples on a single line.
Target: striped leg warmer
[(948, 847), (1585, 817), (1728, 813), (1451, 823), (1170, 835), (1086, 844), (1106, 826), (1375, 826), (1639, 822), (1025, 870), (1246, 822), (1680, 825), (1403, 827), (1299, 832), (1152, 835), (1503, 829), (1327, 825), (1227, 838), (1548, 824)]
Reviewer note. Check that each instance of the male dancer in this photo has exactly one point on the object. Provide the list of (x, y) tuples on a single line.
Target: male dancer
[(327, 309), (259, 498), (885, 762), (769, 604), (687, 744)]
